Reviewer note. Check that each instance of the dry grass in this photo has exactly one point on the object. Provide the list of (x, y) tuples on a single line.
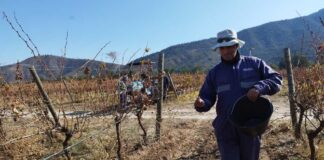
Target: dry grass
[(180, 139)]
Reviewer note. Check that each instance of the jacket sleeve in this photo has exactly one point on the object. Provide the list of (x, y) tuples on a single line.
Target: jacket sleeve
[(271, 81), (207, 93)]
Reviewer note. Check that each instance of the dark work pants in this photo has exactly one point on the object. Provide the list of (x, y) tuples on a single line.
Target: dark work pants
[(235, 145), (123, 100)]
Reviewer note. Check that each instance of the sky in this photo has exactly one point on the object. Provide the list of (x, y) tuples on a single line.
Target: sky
[(131, 25)]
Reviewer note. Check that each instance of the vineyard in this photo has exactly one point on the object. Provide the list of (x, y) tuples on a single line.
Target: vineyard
[(132, 113), (88, 124), (25, 120)]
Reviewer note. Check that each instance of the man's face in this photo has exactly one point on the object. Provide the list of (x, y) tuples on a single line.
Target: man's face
[(228, 53)]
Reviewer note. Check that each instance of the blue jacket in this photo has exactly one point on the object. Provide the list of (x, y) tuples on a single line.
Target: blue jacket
[(227, 82)]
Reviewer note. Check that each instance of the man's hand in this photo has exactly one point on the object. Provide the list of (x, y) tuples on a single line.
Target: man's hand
[(199, 103), (253, 94)]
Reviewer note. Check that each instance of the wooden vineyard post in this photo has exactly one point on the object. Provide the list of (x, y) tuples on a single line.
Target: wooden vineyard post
[(160, 100), (291, 91), (47, 100)]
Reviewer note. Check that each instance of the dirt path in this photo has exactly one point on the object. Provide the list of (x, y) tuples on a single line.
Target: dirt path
[(186, 110)]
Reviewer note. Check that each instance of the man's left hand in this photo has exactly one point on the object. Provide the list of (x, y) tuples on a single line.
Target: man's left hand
[(253, 94)]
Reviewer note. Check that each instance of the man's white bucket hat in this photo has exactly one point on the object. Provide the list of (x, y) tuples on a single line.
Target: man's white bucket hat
[(227, 38)]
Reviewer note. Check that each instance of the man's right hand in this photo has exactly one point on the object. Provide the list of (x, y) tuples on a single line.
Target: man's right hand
[(199, 103)]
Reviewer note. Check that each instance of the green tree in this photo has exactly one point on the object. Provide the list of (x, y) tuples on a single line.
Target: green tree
[(297, 60)]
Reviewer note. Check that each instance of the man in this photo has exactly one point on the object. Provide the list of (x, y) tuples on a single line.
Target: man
[(233, 77), (122, 89), (166, 85)]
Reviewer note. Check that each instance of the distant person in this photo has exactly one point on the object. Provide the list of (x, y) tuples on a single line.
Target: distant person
[(166, 85), (233, 77), (122, 89)]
